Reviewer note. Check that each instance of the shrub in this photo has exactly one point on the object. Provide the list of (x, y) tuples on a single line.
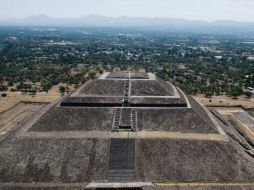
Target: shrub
[(3, 87), (62, 89)]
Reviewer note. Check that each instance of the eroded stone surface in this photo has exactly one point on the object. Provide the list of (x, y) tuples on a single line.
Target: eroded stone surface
[(69, 142)]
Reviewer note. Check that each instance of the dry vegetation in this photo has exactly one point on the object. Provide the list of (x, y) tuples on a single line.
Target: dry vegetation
[(225, 101), (16, 106), (14, 98)]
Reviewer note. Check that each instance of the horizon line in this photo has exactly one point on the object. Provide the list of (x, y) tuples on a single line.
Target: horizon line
[(133, 17)]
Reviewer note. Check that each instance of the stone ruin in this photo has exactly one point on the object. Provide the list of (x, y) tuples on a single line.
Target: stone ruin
[(127, 130)]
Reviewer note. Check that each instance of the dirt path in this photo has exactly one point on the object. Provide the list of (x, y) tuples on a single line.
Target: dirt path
[(125, 134), (228, 110)]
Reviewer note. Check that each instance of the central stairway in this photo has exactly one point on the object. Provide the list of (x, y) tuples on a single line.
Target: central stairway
[(125, 119), (126, 102), (121, 160)]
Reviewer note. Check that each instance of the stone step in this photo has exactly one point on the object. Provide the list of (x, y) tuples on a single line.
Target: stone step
[(125, 122), (126, 94), (134, 119), (117, 115), (121, 175), (122, 154)]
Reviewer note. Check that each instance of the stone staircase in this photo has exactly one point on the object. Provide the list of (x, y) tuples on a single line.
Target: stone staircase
[(126, 102), (134, 120), (117, 117), (125, 123), (125, 119), (121, 160)]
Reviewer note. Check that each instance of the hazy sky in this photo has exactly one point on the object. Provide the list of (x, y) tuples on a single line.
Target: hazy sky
[(242, 10)]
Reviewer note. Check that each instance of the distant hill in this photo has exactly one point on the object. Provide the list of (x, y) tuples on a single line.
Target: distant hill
[(168, 24)]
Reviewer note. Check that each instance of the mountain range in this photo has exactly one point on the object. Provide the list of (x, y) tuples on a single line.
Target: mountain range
[(158, 23)]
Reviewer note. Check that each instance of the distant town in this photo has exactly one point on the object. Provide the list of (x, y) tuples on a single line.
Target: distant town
[(34, 59)]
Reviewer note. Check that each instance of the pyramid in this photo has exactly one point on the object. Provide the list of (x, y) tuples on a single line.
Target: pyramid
[(126, 130)]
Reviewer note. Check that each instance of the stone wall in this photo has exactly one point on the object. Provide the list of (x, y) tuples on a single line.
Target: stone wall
[(75, 119), (48, 160), (171, 160), (174, 119)]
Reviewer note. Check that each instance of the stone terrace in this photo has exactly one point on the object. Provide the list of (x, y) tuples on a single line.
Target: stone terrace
[(103, 87), (75, 119), (151, 88), (125, 130)]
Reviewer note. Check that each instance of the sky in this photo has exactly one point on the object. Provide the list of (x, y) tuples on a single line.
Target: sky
[(208, 10)]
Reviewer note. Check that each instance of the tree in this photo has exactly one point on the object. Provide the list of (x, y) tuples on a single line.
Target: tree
[(217, 91), (10, 83), (62, 89), (188, 89), (235, 91), (248, 94), (24, 87), (208, 94), (33, 92), (3, 87), (100, 71), (92, 74), (45, 85), (195, 91), (20, 86), (67, 89)]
